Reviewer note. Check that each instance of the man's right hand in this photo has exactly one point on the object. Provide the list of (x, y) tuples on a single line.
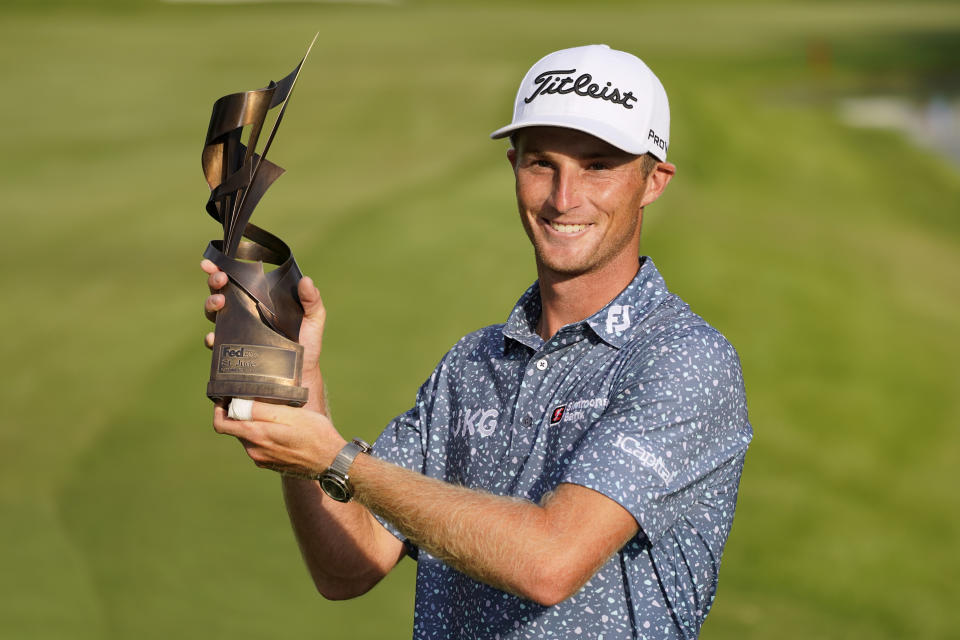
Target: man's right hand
[(311, 329)]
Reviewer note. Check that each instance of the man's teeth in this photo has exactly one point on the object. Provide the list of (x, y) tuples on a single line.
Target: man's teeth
[(567, 228)]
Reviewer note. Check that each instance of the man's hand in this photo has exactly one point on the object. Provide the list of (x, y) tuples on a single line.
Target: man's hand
[(282, 438), (314, 314)]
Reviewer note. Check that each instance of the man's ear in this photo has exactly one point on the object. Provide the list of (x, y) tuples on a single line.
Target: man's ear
[(512, 157), (657, 181)]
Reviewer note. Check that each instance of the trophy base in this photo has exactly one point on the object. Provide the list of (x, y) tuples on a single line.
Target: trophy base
[(250, 360), (218, 390)]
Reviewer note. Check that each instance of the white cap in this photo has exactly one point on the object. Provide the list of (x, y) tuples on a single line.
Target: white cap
[(607, 93)]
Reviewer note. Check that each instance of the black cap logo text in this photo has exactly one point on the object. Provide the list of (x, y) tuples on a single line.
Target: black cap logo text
[(562, 81)]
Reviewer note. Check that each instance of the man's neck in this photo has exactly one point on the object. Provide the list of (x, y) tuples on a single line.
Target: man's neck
[(568, 299)]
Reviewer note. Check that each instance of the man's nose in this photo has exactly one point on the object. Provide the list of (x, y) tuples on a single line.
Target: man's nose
[(566, 190)]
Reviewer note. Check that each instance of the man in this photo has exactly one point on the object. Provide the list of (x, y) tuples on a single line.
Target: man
[(573, 471)]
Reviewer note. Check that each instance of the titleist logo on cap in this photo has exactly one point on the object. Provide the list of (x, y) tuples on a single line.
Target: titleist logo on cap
[(561, 81)]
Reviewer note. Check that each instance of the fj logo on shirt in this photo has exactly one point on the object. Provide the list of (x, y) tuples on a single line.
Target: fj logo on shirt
[(618, 318), (648, 459), (480, 421)]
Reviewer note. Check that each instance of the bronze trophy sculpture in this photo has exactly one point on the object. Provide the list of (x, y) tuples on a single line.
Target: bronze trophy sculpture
[(255, 350)]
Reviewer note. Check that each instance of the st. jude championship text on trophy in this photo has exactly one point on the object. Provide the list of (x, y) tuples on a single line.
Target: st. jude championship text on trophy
[(255, 350)]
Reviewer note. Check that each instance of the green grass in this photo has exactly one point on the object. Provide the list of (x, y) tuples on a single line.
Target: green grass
[(830, 256)]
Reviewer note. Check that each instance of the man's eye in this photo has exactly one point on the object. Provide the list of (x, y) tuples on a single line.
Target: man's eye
[(597, 166), (542, 163)]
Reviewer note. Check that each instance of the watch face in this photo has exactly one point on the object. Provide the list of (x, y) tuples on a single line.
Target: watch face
[(335, 487)]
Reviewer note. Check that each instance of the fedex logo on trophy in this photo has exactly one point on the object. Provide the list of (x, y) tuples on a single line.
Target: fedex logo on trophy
[(238, 351), (235, 358)]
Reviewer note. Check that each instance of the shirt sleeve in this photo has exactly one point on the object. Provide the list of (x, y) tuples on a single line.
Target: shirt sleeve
[(676, 415)]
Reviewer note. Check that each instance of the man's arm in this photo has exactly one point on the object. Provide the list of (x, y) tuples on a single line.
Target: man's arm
[(344, 547), (544, 553)]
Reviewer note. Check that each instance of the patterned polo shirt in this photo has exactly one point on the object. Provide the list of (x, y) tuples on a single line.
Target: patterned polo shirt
[(643, 402)]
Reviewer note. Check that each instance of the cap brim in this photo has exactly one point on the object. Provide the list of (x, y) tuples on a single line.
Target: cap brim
[(595, 128)]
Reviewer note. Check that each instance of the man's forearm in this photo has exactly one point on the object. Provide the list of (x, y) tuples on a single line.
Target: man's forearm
[(510, 543), (334, 537), (345, 549), (342, 545), (542, 552)]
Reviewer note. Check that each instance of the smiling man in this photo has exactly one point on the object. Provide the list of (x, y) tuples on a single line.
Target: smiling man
[(571, 472)]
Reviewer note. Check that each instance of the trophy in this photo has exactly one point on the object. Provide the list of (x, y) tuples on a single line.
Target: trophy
[(255, 350)]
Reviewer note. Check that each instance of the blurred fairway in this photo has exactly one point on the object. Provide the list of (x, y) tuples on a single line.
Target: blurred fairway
[(830, 256)]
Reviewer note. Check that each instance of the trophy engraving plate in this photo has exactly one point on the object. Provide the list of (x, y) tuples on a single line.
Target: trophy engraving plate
[(257, 360)]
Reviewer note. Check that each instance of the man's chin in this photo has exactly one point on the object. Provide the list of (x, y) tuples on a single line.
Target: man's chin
[(564, 269)]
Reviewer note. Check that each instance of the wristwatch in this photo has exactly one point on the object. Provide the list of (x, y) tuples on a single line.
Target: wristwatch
[(335, 481)]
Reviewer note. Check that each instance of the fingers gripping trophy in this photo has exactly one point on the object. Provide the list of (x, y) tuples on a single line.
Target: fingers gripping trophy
[(255, 349)]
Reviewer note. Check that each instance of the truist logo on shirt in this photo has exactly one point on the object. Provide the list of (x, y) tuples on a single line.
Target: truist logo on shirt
[(618, 318), (480, 421), (562, 81), (577, 410), (557, 414), (648, 459)]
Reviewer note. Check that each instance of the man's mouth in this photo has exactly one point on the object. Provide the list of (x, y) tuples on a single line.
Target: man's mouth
[(567, 228)]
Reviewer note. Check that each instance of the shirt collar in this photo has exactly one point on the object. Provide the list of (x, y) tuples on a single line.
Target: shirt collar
[(615, 323), (522, 323)]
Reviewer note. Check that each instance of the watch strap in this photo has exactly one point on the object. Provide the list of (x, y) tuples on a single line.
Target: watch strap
[(340, 468), (341, 464)]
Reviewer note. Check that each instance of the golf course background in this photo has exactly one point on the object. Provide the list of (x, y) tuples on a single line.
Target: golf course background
[(829, 255)]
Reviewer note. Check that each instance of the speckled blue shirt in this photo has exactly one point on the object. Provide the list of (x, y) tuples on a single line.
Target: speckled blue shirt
[(643, 402)]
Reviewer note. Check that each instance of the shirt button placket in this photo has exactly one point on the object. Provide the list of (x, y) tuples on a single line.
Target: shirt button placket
[(540, 365)]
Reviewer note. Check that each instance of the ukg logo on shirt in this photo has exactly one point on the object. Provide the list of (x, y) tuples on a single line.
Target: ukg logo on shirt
[(480, 421)]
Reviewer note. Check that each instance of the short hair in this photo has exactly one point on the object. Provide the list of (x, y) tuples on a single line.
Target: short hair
[(648, 163)]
